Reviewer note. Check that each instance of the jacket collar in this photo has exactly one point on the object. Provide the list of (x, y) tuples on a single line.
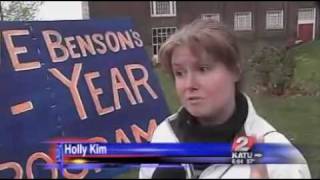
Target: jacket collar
[(187, 129), (254, 124)]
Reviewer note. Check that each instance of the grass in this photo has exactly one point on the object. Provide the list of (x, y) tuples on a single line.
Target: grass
[(167, 85), (308, 63), (306, 109), (297, 117)]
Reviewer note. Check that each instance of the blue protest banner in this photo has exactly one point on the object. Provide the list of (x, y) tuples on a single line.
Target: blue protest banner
[(87, 79)]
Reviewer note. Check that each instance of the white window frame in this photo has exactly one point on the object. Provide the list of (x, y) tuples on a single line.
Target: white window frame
[(172, 9), (303, 21), (162, 36), (236, 19), (270, 25), (311, 20), (215, 16)]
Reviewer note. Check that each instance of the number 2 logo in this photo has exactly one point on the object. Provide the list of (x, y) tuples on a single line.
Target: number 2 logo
[(243, 143)]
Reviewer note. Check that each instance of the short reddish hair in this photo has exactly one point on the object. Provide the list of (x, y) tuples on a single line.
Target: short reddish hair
[(207, 38)]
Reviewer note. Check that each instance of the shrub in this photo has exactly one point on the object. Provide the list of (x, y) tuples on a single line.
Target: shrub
[(273, 69)]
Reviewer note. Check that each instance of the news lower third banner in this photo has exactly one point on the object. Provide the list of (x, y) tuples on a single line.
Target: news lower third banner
[(98, 155), (86, 79)]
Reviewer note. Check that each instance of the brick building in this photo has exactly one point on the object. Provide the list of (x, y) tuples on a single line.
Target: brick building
[(278, 23)]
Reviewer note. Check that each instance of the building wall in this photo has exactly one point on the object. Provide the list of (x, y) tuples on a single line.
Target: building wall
[(85, 10), (186, 11)]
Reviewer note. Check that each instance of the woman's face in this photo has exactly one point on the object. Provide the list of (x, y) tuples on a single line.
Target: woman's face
[(205, 87)]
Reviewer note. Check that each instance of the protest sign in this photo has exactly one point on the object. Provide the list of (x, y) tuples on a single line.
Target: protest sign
[(87, 79)]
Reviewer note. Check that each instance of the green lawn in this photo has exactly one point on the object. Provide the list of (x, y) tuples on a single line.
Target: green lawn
[(168, 89), (297, 117), (308, 64)]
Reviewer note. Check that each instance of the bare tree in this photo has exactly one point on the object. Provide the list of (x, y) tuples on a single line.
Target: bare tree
[(19, 10)]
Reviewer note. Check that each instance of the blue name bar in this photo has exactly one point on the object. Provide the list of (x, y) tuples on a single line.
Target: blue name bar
[(178, 153), (167, 149), (153, 149)]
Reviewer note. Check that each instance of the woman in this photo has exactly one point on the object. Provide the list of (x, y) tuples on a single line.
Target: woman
[(204, 61)]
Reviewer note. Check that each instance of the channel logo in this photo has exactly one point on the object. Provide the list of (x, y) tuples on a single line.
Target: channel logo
[(242, 150)]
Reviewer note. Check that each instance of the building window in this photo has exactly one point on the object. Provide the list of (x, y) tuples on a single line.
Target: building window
[(274, 19), (214, 16), (163, 8), (159, 36), (242, 21), (306, 14)]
